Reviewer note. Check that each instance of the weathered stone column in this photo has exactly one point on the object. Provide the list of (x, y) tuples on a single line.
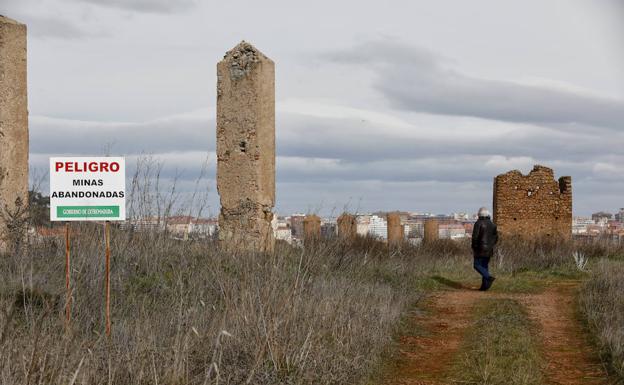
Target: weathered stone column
[(395, 230), (246, 149), (311, 229), (347, 227), (13, 130), (431, 231)]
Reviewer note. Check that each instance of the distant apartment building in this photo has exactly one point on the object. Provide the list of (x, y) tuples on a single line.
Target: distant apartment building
[(329, 229), (619, 216), (414, 228), (580, 225), (179, 226), (296, 225), (283, 233), (378, 227), (455, 226), (185, 227), (601, 217), (362, 224), (146, 224), (204, 227), (281, 228), (594, 230), (468, 226), (614, 226), (452, 231)]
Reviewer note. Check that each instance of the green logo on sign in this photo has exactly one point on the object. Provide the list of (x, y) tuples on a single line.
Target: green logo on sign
[(87, 211)]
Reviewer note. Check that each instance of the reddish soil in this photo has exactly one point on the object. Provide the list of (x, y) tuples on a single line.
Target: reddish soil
[(426, 356), (569, 358)]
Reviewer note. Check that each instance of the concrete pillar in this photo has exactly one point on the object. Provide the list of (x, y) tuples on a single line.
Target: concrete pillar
[(395, 230), (13, 128), (432, 232), (311, 229), (246, 149), (347, 227)]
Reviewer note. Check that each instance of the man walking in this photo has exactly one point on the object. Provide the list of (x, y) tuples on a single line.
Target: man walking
[(484, 237)]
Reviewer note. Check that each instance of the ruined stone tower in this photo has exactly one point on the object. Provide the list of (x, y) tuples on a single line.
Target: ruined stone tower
[(431, 230), (246, 148), (533, 204), (311, 229), (347, 227), (395, 229), (13, 125)]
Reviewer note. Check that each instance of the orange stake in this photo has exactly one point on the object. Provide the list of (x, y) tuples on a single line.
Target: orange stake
[(107, 238), (67, 277)]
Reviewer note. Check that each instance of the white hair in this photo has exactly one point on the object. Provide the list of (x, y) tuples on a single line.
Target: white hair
[(484, 212)]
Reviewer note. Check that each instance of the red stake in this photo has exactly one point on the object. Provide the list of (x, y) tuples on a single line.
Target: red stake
[(107, 238), (67, 277)]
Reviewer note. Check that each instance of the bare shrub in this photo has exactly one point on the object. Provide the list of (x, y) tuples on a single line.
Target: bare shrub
[(602, 304), (539, 253), (186, 313), (604, 246), (16, 221)]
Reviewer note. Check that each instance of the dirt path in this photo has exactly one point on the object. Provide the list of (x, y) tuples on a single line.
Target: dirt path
[(569, 359), (425, 358)]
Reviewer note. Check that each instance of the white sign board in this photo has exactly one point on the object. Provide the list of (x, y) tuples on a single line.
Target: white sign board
[(88, 189)]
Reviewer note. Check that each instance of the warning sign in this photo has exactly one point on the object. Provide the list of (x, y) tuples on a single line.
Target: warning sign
[(88, 189)]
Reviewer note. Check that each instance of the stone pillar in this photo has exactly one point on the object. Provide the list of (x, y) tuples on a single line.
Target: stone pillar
[(246, 149), (347, 227), (431, 232), (395, 230), (311, 229), (13, 129)]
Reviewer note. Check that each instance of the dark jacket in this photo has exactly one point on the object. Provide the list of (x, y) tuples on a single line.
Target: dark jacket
[(484, 237)]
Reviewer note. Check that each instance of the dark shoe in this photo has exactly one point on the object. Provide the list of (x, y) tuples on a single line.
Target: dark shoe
[(483, 284), (489, 283)]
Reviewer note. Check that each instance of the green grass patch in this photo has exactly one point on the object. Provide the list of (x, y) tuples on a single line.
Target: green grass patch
[(499, 347), (458, 273), (523, 282)]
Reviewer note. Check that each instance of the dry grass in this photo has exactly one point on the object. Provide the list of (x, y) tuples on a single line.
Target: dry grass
[(187, 313), (602, 304)]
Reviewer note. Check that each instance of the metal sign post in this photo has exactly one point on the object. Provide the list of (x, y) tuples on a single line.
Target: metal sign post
[(87, 189), (68, 298)]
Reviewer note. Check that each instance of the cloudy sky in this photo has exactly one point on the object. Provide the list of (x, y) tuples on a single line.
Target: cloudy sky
[(410, 105)]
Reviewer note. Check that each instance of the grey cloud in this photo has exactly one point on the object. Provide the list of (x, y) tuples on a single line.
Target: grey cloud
[(51, 27), (324, 152), (148, 6), (352, 146), (413, 79), (349, 140), (48, 26), (354, 140), (455, 169), (59, 136)]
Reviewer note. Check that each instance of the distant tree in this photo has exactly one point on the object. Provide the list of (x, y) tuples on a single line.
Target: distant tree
[(39, 208)]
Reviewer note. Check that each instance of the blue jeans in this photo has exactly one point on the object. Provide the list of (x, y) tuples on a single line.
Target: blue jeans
[(481, 266)]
